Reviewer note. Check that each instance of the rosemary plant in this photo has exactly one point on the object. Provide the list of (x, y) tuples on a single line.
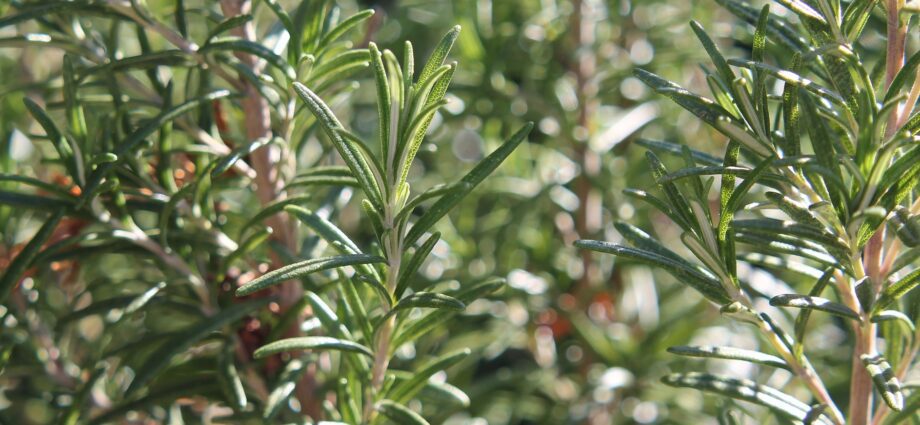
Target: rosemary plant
[(406, 106), (182, 147), (817, 186)]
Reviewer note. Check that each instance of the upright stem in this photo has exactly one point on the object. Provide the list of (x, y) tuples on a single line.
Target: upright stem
[(584, 67), (382, 349), (265, 163), (871, 263)]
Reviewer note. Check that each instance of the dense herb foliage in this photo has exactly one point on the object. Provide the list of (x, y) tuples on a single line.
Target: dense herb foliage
[(818, 188), (335, 211), (161, 149)]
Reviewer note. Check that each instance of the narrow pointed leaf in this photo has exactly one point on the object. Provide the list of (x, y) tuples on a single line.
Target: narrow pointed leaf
[(814, 303), (350, 154), (407, 273), (316, 343), (160, 358), (730, 353), (743, 389), (400, 414), (473, 178), (284, 388), (885, 380), (440, 53), (404, 391), (706, 285), (303, 268), (429, 300), (897, 290)]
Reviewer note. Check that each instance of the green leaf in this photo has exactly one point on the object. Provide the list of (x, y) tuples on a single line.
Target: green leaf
[(41, 10), (227, 25), (408, 271), (129, 145), (384, 119), (285, 386), (904, 75), (706, 285), (354, 302), (437, 317), (470, 180), (337, 66), (253, 48), (226, 162), (677, 203), (311, 343), (282, 16), (324, 228), (428, 300), (343, 27), (433, 192), (906, 226), (303, 268), (791, 142), (790, 77), (184, 339), (705, 109), (725, 72), (893, 315), (804, 11), (25, 257), (796, 211), (773, 226), (350, 154), (173, 57), (743, 389), (730, 353), (440, 53), (158, 397), (801, 321), (64, 150), (400, 414), (230, 378), (855, 18), (404, 391), (444, 394), (778, 29), (676, 149), (271, 210), (331, 234), (896, 290), (885, 380), (638, 238), (814, 303)]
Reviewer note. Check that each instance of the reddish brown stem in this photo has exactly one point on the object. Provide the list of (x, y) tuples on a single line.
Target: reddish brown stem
[(268, 184), (584, 67)]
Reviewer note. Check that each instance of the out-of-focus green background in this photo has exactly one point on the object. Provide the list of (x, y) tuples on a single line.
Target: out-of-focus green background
[(573, 339)]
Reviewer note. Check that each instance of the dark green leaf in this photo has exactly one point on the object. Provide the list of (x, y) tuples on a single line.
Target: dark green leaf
[(885, 380), (730, 353), (184, 339), (400, 414), (303, 268), (311, 343)]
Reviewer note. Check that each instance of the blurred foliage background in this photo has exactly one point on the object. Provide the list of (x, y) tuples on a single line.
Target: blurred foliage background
[(572, 340)]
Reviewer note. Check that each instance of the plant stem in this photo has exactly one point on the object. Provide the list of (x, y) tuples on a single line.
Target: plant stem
[(268, 180), (393, 250), (872, 261), (584, 68)]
